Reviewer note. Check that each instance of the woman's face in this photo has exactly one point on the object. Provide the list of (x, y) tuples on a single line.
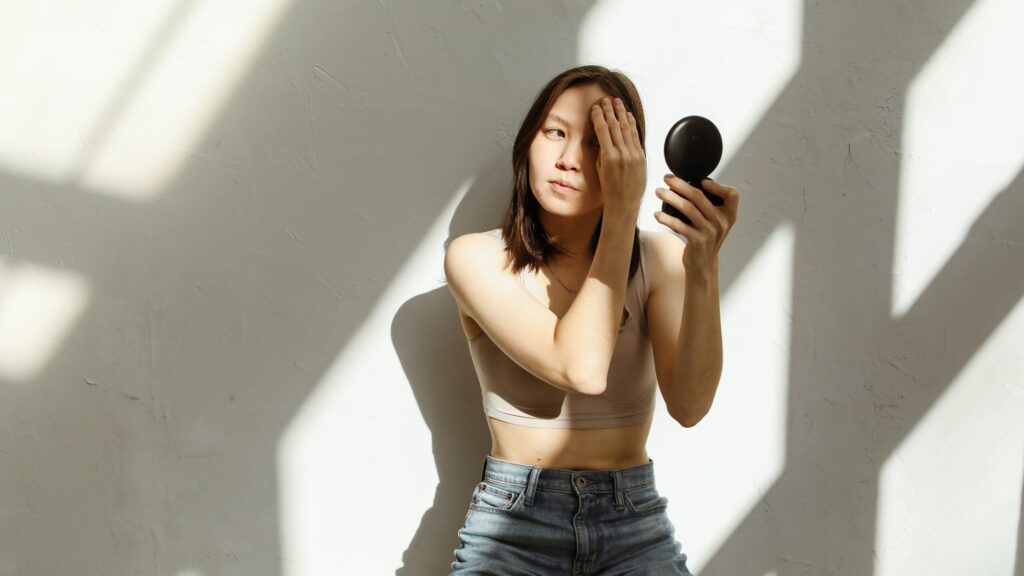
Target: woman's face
[(565, 149)]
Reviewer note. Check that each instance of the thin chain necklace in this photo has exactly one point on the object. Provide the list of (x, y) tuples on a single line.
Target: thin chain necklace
[(559, 280)]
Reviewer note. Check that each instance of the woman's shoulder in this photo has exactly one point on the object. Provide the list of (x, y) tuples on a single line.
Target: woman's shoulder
[(475, 248), (660, 240), (657, 246), (664, 254), (488, 240)]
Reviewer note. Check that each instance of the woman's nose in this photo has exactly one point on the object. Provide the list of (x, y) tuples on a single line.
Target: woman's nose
[(570, 156)]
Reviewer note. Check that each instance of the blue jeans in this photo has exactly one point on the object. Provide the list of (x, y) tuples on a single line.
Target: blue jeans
[(539, 521)]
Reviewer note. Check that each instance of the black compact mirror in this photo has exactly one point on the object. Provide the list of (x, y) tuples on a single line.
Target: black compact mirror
[(693, 148)]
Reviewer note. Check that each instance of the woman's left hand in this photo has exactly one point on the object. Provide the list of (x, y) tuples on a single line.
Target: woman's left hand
[(710, 223)]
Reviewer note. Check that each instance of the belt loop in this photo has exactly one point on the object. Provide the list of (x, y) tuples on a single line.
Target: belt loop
[(617, 484), (531, 484), (483, 470)]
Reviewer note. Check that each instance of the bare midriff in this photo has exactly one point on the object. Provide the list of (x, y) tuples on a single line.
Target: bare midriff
[(570, 449), (566, 448)]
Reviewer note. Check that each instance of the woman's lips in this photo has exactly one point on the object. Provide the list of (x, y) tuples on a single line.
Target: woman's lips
[(561, 187)]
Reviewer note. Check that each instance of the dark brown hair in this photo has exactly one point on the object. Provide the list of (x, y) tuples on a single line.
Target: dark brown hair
[(528, 243)]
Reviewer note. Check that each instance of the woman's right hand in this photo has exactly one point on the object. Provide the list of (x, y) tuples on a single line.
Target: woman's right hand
[(621, 163)]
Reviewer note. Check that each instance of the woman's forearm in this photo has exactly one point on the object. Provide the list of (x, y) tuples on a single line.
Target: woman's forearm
[(587, 332), (698, 357)]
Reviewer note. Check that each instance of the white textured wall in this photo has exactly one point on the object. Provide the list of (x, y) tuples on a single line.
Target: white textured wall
[(226, 346)]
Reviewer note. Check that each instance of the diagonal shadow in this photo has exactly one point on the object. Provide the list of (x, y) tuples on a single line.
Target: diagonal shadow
[(1019, 563), (947, 322), (221, 304), (851, 402), (947, 319), (259, 260), (848, 397), (129, 85)]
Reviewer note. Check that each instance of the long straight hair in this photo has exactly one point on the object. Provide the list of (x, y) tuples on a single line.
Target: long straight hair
[(528, 244)]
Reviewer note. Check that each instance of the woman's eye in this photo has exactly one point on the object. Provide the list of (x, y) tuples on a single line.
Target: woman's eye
[(549, 130)]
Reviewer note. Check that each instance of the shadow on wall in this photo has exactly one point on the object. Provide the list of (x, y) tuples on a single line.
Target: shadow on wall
[(221, 304), (1019, 571), (432, 348), (825, 156)]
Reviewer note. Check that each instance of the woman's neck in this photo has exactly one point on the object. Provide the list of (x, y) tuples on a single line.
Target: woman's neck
[(573, 234)]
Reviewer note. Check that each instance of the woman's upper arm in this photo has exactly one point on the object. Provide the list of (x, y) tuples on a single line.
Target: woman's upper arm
[(515, 321), (665, 301)]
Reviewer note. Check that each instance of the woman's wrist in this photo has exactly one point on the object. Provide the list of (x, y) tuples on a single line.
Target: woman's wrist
[(705, 276), (623, 211)]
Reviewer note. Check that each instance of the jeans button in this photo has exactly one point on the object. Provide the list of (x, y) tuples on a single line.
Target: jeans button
[(508, 496), (581, 481)]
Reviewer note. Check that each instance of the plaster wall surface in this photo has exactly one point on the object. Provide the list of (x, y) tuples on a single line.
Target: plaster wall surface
[(226, 345)]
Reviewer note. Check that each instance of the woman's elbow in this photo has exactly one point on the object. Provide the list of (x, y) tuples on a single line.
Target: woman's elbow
[(689, 422), (689, 418), (587, 380), (593, 389), (589, 386)]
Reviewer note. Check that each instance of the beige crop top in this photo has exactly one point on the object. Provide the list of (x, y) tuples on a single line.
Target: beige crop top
[(512, 394)]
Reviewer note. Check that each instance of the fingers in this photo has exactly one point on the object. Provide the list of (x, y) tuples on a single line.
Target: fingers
[(709, 223), (677, 226), (686, 194), (614, 121), (600, 127), (627, 123), (634, 133), (685, 205), (620, 125), (729, 194)]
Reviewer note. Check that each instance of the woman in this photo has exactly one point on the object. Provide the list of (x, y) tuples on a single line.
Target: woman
[(572, 315)]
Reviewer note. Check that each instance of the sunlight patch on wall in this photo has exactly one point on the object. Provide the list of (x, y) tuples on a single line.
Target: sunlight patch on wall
[(963, 142), (38, 308), (745, 419), (186, 85), (947, 487), (320, 495), (726, 61), (113, 96), (63, 62)]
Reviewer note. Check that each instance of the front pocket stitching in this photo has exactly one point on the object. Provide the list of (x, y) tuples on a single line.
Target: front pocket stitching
[(512, 505), (645, 510)]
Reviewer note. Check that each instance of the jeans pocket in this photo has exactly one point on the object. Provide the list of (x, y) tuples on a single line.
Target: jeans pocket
[(492, 496), (645, 500)]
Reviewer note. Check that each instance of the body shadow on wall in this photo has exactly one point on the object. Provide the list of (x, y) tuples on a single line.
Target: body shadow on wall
[(824, 158), (434, 354), (223, 302)]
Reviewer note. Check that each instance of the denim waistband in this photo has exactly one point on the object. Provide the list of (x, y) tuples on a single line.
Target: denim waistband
[(561, 480)]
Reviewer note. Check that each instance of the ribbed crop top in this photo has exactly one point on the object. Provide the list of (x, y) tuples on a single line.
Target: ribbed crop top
[(512, 394)]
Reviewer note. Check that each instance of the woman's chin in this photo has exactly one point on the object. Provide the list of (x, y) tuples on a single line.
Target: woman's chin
[(568, 209)]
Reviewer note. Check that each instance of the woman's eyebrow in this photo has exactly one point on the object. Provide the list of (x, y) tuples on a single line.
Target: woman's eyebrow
[(556, 118)]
